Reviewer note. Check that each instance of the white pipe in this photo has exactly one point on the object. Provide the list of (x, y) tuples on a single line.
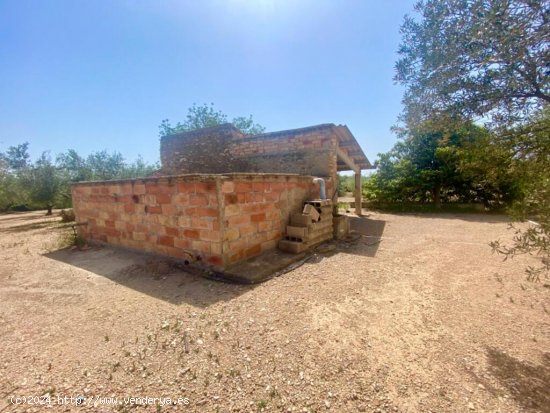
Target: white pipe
[(322, 191)]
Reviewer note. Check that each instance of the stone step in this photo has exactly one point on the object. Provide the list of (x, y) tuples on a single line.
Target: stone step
[(297, 232), (293, 247)]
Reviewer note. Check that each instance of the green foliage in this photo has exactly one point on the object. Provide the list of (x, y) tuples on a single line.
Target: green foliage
[(17, 157), (430, 165), (13, 165), (43, 182), (136, 169), (531, 159), (205, 116), (74, 166), (104, 166), (346, 183), (247, 125), (475, 58), (10, 193), (488, 61), (25, 185)]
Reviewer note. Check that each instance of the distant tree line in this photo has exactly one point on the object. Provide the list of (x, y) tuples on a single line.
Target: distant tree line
[(45, 183)]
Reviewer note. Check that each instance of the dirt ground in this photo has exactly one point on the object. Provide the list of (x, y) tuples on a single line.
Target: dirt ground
[(416, 315)]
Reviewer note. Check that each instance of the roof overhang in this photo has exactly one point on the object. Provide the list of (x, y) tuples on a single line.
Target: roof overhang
[(350, 155)]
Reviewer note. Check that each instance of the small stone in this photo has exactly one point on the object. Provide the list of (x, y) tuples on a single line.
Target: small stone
[(327, 404), (471, 406)]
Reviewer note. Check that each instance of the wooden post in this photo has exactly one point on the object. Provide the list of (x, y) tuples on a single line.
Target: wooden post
[(358, 199)]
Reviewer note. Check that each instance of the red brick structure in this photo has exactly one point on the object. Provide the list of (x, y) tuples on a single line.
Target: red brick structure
[(223, 197), (321, 150), (215, 219)]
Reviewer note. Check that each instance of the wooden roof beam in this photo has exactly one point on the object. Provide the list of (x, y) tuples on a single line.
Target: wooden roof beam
[(348, 160)]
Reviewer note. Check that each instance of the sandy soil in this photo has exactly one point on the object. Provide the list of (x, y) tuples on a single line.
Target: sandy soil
[(417, 316)]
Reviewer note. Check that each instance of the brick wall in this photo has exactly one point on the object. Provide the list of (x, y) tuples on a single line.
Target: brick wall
[(256, 210), (176, 216), (215, 219), (224, 149), (204, 151), (309, 153)]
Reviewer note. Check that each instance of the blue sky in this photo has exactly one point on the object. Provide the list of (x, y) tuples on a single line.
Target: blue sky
[(93, 75)]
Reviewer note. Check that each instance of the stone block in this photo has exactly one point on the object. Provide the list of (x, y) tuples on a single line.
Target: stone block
[(292, 246), (206, 212), (312, 212), (163, 198), (258, 217), (138, 189), (186, 187), (243, 186), (299, 220), (198, 200), (166, 240), (228, 187), (153, 209), (231, 234), (173, 232), (297, 232), (237, 220), (231, 210), (247, 229), (265, 226), (208, 235), (341, 226), (191, 233)]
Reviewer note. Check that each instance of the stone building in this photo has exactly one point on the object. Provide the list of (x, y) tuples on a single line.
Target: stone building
[(223, 196)]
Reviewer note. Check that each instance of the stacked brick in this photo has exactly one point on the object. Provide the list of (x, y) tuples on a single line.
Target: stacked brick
[(174, 216), (256, 209), (309, 228), (217, 220)]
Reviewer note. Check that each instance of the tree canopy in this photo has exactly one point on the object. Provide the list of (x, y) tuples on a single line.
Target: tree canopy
[(475, 59), (487, 61), (205, 116), (431, 165)]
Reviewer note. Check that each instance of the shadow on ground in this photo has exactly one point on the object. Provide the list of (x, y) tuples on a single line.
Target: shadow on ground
[(527, 383), (32, 226), (150, 274), (368, 236), (23, 216)]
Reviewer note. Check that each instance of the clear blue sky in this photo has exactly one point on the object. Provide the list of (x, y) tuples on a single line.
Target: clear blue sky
[(94, 75)]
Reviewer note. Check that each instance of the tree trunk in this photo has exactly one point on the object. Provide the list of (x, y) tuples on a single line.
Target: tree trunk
[(49, 210), (436, 192)]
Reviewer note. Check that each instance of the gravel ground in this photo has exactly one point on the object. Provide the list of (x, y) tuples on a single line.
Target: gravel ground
[(416, 316)]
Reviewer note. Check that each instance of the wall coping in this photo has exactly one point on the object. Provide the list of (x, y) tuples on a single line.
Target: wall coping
[(195, 177)]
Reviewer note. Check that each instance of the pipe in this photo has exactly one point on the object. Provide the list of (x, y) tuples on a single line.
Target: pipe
[(322, 191)]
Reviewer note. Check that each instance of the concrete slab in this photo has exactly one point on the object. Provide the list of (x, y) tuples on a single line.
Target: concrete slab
[(262, 267)]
